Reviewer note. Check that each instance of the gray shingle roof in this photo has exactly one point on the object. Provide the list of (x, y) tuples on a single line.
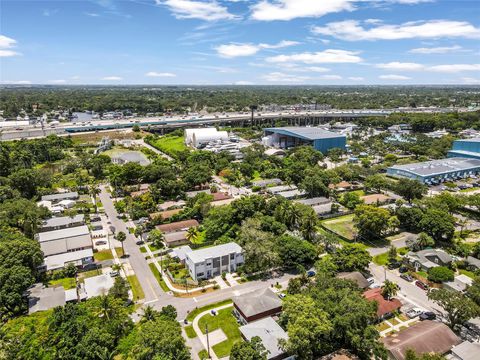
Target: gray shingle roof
[(63, 221), (63, 233), (256, 303)]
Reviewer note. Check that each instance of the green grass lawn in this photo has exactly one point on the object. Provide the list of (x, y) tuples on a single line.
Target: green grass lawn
[(137, 290), (119, 251), (190, 332), (382, 326), (381, 259), (170, 145), (67, 283), (158, 276), (195, 312), (226, 321), (342, 225), (103, 255), (203, 354), (89, 274)]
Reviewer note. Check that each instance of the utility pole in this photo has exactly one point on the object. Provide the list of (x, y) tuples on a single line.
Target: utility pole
[(208, 342)]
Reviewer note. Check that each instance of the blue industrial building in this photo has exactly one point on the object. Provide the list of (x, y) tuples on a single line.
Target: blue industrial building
[(287, 137), (467, 148), (437, 171)]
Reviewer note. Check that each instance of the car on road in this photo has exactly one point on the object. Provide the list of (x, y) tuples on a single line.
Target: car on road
[(281, 295), (427, 315), (421, 285), (412, 313), (140, 242), (371, 280), (394, 265), (101, 242), (406, 277)]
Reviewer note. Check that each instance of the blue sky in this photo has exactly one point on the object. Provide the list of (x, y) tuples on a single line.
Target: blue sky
[(322, 42)]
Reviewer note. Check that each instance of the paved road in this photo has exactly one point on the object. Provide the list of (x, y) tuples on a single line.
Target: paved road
[(150, 285), (409, 292)]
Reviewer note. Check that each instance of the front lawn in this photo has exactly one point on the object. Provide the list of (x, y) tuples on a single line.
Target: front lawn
[(137, 290), (119, 251), (381, 259), (67, 283), (158, 276), (103, 255), (342, 226), (193, 314), (190, 332), (228, 323), (88, 274)]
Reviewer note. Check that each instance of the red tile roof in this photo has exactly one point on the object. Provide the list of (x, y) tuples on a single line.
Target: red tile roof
[(384, 306)]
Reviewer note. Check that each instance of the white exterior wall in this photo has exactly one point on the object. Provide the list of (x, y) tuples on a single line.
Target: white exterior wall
[(206, 269)]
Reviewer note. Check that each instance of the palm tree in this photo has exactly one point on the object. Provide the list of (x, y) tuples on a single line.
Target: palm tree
[(389, 289), (309, 227), (157, 238), (192, 234), (93, 191), (149, 314), (121, 236), (104, 307)]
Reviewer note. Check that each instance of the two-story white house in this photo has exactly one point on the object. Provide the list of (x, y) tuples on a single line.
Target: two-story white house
[(213, 261)]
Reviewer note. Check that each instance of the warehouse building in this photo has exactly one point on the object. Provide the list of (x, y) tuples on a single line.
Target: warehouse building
[(287, 137), (203, 136), (438, 171), (467, 148)]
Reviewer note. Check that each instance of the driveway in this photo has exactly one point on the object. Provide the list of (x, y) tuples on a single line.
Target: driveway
[(149, 284)]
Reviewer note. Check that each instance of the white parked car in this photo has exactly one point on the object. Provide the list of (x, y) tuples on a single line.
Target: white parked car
[(414, 312)]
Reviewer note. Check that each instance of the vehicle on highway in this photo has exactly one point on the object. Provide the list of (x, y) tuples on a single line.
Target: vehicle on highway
[(412, 313), (407, 277), (421, 285), (427, 315)]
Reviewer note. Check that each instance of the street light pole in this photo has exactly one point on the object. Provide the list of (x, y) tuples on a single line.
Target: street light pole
[(208, 343)]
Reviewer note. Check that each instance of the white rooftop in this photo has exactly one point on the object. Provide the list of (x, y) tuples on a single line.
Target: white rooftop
[(201, 255), (63, 233), (269, 332), (63, 220), (58, 261), (98, 285)]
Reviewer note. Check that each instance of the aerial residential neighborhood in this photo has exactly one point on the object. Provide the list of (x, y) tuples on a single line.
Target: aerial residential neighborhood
[(239, 180)]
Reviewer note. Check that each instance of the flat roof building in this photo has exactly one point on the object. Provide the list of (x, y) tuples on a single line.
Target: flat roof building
[(213, 261), (270, 333), (287, 137), (64, 240), (437, 170), (54, 198), (466, 148), (78, 258), (62, 222)]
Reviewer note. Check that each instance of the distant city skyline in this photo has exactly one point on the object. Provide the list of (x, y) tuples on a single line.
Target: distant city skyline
[(240, 42)]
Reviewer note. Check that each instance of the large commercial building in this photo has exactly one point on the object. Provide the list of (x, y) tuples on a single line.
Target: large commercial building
[(287, 137), (467, 148), (202, 136), (437, 171)]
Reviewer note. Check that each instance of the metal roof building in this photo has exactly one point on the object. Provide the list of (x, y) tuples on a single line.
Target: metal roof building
[(64, 240), (467, 148), (322, 140), (437, 170), (62, 222)]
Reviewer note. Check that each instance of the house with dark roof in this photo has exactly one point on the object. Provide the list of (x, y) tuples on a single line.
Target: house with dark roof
[(473, 263), (428, 258), (256, 305), (423, 337), (385, 306), (356, 277), (177, 226)]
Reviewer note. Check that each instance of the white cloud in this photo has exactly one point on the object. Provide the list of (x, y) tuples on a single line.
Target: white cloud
[(356, 78), (353, 30), (282, 77), (58, 81), (470, 81), (326, 56), (237, 50), (453, 68), (243, 82), (6, 44), (92, 14), (394, 77), (267, 10), (17, 82), (331, 77), (112, 78), (203, 10), (159, 74), (401, 66), (436, 50)]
